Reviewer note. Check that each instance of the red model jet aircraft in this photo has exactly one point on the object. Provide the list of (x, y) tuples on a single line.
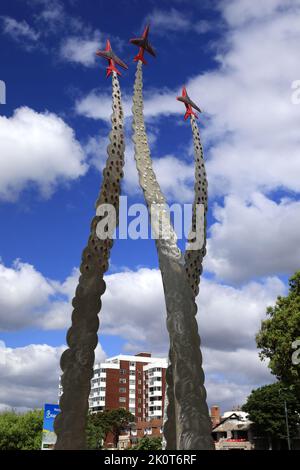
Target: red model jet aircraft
[(143, 45), (189, 104), (109, 55)]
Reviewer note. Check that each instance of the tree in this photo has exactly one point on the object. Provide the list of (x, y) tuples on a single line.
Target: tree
[(100, 424), (95, 431), (279, 331), (265, 407), (149, 443), (119, 419), (21, 431)]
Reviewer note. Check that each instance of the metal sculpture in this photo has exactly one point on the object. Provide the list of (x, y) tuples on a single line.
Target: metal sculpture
[(188, 425), (77, 361)]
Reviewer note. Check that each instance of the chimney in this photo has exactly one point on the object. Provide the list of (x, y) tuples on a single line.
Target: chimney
[(215, 415)]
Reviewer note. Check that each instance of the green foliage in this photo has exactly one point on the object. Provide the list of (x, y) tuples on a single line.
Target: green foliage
[(265, 407), (96, 431), (279, 331), (99, 424), (149, 443), (21, 431)]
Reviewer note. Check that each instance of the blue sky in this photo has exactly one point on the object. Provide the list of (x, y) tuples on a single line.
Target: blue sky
[(238, 62)]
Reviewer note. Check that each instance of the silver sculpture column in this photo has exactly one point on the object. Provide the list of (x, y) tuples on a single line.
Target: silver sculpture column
[(78, 360), (188, 424)]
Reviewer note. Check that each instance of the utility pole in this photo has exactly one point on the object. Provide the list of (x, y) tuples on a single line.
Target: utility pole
[(287, 425)]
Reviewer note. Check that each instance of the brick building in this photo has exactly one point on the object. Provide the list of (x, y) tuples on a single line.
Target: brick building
[(135, 383), (134, 432)]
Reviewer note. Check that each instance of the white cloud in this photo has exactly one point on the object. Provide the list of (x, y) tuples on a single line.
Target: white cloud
[(23, 293), (29, 299), (229, 318), (258, 237), (98, 105), (133, 307), (81, 50), (252, 132), (47, 304), (32, 373), (252, 127), (37, 148), (239, 12), (19, 31), (175, 176), (163, 22), (232, 375), (251, 136)]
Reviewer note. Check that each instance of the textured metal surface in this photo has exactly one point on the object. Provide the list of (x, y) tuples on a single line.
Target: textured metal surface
[(188, 424), (77, 361), (194, 258)]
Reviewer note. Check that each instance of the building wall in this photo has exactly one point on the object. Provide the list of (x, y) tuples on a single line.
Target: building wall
[(112, 393), (135, 383)]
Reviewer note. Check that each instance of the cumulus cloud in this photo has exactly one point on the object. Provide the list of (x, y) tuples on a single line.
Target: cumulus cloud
[(251, 238), (47, 304), (97, 105), (32, 372), (220, 307), (175, 176), (39, 149), (252, 131), (239, 12), (23, 292), (171, 21), (251, 137), (81, 50), (29, 299), (19, 31), (228, 319)]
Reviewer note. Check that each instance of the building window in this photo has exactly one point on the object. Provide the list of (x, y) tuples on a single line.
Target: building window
[(123, 371), (122, 381), (132, 372), (140, 382), (140, 400), (139, 410), (140, 391), (103, 379), (122, 399), (122, 390), (132, 364), (158, 398)]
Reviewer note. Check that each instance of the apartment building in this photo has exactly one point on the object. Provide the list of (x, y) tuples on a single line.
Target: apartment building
[(136, 383)]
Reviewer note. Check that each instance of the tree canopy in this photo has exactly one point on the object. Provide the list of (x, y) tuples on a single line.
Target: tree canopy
[(100, 424), (265, 407), (278, 333), (21, 431), (148, 443)]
